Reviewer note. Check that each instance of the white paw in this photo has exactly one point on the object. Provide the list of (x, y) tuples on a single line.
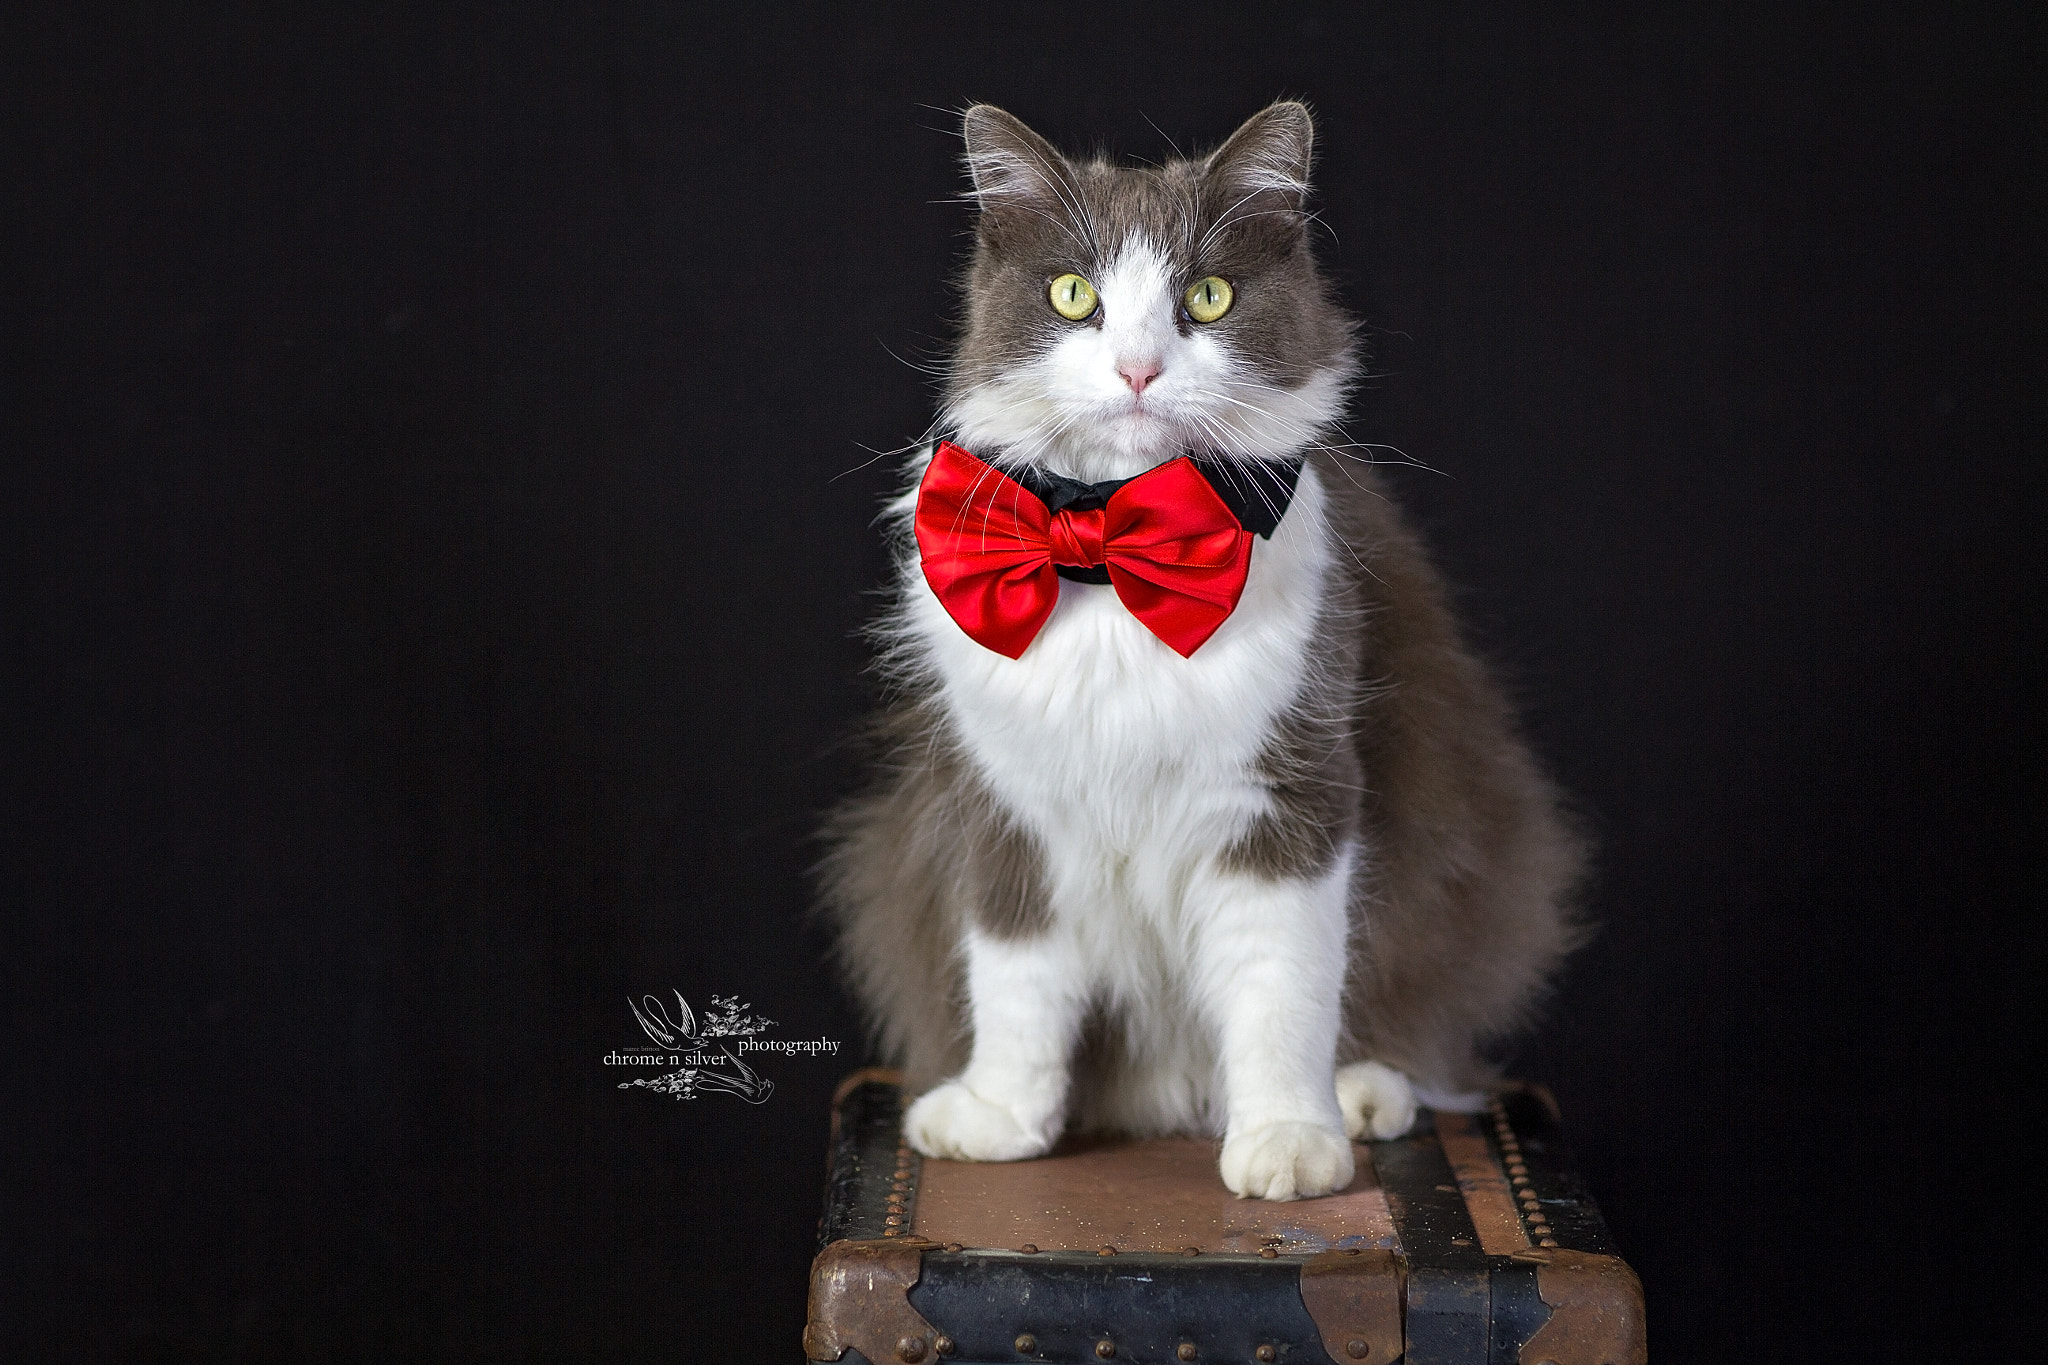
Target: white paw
[(953, 1121), (1377, 1100), (1286, 1161)]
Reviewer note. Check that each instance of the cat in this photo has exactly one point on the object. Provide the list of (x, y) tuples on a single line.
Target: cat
[(1277, 887)]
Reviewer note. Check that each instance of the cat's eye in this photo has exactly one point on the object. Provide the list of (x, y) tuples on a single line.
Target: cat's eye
[(1073, 298), (1209, 299)]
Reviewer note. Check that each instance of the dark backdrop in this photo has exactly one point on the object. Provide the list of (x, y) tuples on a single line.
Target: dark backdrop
[(438, 512)]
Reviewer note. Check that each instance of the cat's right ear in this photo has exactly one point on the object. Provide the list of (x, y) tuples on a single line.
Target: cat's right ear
[(1012, 166)]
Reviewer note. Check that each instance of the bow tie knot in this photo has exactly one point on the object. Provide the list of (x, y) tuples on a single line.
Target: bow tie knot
[(1077, 537), (1174, 549)]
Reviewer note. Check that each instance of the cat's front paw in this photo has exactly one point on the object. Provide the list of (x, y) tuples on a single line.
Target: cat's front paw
[(1377, 1101), (953, 1121), (1286, 1161)]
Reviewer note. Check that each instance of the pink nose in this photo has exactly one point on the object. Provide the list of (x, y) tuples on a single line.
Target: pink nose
[(1138, 373)]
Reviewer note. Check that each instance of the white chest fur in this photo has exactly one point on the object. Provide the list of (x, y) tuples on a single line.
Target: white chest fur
[(1128, 762)]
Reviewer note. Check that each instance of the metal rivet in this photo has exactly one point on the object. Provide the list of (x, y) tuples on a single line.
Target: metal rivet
[(1547, 1241), (1266, 1353), (1354, 1251), (1461, 1241), (1357, 1349), (894, 1220), (943, 1345), (1105, 1348), (1105, 1251), (1185, 1351), (1190, 1251), (910, 1350), (956, 1246), (1268, 1252), (1026, 1344), (1028, 1249)]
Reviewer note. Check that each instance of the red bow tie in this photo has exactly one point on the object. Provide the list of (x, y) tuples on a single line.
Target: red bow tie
[(1176, 553)]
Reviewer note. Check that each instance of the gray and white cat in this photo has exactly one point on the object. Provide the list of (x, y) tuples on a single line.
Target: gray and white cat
[(1276, 889)]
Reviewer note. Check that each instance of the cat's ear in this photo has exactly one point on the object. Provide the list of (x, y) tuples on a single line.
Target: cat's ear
[(1268, 157), (1010, 164)]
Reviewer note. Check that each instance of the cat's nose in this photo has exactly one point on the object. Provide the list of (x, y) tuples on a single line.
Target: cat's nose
[(1138, 373)]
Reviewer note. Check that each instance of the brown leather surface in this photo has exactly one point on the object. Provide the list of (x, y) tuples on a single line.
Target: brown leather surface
[(1355, 1297), (1596, 1311), (860, 1297), (1488, 1196), (1160, 1194)]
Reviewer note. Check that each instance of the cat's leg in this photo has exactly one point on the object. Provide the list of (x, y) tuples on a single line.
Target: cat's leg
[(1377, 1100), (1269, 958), (1026, 999)]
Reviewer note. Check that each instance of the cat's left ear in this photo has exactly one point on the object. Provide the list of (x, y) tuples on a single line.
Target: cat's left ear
[(1268, 157)]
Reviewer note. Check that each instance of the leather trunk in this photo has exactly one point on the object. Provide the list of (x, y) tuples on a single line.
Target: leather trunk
[(1469, 1242)]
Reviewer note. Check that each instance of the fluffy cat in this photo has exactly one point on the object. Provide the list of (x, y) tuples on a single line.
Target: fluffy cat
[(1275, 889)]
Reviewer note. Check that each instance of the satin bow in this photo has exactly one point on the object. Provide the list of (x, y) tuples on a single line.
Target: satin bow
[(1176, 553)]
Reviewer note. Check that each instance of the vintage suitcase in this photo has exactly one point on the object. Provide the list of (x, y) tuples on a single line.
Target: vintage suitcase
[(1469, 1242)]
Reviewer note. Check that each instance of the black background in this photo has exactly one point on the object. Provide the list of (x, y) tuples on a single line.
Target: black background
[(438, 516)]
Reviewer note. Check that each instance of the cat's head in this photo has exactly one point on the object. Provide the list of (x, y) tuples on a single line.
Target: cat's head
[(1120, 315)]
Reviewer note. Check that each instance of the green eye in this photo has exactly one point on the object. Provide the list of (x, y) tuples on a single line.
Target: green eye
[(1209, 299), (1073, 298)]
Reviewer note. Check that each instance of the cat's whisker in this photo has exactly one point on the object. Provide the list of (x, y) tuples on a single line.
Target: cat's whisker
[(1226, 220), (873, 456), (935, 369), (1341, 449)]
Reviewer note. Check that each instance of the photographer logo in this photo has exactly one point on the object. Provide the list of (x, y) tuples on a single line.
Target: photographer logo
[(705, 1055)]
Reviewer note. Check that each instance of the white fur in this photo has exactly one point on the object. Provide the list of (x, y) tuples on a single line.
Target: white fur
[(1134, 769), (1377, 1100)]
